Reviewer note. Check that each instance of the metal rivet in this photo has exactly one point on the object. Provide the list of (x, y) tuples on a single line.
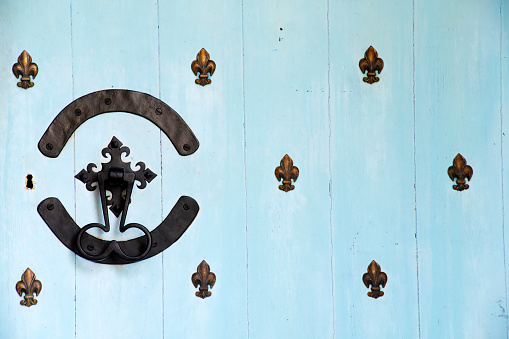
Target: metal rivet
[(159, 111), (77, 112), (50, 207), (107, 101), (49, 146), (90, 247), (186, 147), (186, 207), (154, 244)]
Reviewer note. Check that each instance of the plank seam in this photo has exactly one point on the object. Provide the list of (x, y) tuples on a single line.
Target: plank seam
[(333, 301), (161, 160), (415, 173), (245, 167), (502, 166), (74, 167)]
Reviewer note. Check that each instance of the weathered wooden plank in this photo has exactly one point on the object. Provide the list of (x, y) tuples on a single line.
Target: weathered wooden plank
[(372, 165), (288, 234), (214, 175), (504, 102), (457, 100), (115, 45), (43, 29)]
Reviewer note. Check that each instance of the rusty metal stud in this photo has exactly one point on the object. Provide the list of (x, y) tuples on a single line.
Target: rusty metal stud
[(204, 278), (371, 63), (286, 172), (375, 277), (25, 68), (29, 286), (204, 66), (460, 171)]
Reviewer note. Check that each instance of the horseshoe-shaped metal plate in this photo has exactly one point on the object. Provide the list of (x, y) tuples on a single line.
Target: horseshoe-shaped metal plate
[(60, 222), (117, 100), (170, 230)]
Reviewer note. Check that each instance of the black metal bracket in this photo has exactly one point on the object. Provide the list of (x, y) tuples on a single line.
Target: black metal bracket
[(118, 178), (117, 100)]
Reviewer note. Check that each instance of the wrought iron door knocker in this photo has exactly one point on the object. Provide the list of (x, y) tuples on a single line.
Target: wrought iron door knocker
[(117, 177)]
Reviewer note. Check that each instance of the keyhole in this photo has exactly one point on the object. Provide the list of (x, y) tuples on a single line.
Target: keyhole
[(29, 183)]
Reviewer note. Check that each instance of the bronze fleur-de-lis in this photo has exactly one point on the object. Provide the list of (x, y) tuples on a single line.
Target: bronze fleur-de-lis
[(461, 171), (29, 286), (203, 65), (287, 172), (375, 277), (25, 68), (371, 63), (204, 278)]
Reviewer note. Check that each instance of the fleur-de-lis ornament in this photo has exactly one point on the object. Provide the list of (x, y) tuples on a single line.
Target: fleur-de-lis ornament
[(204, 278), (203, 65), (461, 171), (25, 68), (286, 171), (375, 277), (371, 63), (29, 286)]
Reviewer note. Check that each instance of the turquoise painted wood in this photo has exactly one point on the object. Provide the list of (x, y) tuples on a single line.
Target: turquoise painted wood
[(504, 101), (288, 234), (373, 162), (44, 31), (457, 110), (372, 169), (214, 175)]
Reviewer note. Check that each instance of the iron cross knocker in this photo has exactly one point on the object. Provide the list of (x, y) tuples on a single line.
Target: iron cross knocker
[(117, 177)]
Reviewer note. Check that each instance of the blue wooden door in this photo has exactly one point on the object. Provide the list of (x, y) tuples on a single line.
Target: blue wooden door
[(373, 162)]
